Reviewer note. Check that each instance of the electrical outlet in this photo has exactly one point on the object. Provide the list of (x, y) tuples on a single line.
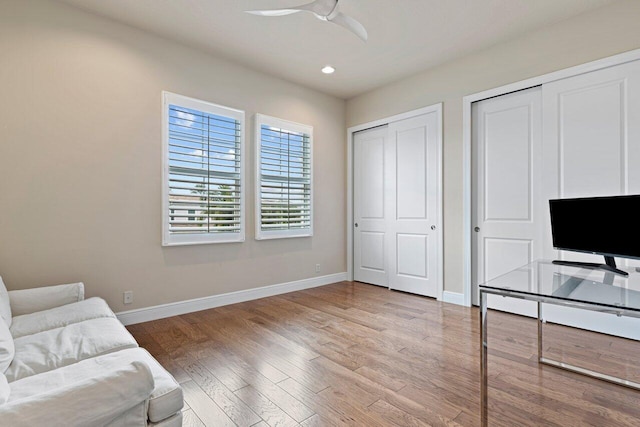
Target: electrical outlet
[(317, 268), (128, 297)]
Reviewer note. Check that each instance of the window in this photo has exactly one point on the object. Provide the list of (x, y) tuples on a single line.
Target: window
[(203, 197), (284, 194)]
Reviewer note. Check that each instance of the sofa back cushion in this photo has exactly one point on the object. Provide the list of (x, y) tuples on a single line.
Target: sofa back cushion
[(4, 389), (5, 306), (7, 348)]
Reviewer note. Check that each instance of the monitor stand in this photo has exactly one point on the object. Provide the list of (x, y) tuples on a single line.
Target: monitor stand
[(610, 265)]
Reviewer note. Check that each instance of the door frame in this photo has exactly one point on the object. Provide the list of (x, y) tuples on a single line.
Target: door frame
[(467, 225), (435, 108)]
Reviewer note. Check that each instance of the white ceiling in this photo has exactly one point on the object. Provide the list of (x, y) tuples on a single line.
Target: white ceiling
[(405, 36)]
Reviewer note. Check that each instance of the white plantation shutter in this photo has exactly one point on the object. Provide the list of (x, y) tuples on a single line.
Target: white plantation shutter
[(284, 179), (203, 172)]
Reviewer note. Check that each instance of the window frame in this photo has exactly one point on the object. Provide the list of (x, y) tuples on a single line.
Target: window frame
[(169, 239), (260, 120)]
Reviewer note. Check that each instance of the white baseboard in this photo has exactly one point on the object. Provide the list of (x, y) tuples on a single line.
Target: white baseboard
[(453, 297), (189, 306)]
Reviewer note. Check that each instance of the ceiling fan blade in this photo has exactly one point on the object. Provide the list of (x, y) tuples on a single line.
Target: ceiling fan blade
[(351, 24), (274, 12), (321, 8)]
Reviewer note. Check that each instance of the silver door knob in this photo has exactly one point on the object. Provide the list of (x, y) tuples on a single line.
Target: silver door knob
[(433, 227), (476, 229), (356, 225)]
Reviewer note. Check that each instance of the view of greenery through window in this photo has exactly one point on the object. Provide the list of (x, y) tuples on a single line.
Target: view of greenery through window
[(223, 194)]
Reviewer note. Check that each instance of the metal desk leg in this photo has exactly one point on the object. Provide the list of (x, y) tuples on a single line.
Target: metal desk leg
[(573, 368), (483, 360), (539, 331)]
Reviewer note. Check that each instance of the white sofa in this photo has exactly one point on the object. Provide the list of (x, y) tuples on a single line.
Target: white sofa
[(67, 361)]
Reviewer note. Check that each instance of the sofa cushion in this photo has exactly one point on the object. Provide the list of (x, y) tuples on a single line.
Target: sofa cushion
[(60, 347), (7, 347), (136, 416), (5, 304), (25, 301), (4, 389), (174, 421), (166, 398), (96, 400), (27, 324)]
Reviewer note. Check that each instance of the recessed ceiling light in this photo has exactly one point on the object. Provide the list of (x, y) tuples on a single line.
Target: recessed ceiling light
[(328, 69)]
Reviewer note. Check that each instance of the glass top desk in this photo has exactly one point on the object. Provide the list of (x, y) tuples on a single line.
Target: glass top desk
[(577, 287)]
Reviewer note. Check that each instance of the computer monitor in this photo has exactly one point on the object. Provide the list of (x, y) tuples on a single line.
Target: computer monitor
[(608, 226)]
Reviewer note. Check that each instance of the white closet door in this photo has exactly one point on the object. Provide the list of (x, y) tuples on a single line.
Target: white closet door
[(591, 139), (370, 207), (413, 185), (397, 212), (506, 189), (592, 148)]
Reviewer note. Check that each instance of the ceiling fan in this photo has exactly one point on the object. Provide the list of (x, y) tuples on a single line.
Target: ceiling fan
[(324, 10)]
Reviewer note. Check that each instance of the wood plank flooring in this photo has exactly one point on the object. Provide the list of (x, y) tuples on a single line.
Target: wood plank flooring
[(357, 354)]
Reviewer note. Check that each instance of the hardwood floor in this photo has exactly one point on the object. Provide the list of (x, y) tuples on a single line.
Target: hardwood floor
[(356, 354)]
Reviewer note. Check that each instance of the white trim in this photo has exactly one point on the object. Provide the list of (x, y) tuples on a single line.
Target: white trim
[(350, 133), (169, 239), (453, 298), (610, 61), (440, 197), (396, 118), (466, 202), (189, 306), (437, 108), (261, 119)]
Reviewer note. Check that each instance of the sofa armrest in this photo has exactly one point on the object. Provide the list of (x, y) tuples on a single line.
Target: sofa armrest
[(92, 402), (28, 301)]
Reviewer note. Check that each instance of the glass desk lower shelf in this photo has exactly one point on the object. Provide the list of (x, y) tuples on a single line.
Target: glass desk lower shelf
[(576, 287)]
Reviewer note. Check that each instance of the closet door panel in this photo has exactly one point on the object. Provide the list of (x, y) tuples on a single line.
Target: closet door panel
[(591, 147), (370, 212), (415, 225), (591, 140), (506, 189)]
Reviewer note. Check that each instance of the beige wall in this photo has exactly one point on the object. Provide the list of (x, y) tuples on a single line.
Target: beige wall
[(604, 32), (80, 161), (80, 149)]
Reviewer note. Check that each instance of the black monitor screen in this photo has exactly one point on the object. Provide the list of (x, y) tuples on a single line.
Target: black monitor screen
[(602, 225)]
